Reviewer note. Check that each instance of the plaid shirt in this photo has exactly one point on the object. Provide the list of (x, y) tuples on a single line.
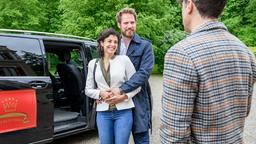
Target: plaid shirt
[(208, 83)]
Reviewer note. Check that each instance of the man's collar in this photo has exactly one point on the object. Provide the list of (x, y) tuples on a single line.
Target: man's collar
[(209, 26), (136, 38)]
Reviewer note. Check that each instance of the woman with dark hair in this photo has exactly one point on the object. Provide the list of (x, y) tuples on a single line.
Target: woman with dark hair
[(114, 121)]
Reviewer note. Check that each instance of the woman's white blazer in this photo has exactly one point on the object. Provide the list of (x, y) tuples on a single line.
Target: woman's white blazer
[(121, 70)]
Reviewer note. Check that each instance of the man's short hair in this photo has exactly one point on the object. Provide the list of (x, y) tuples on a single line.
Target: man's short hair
[(125, 11), (209, 8)]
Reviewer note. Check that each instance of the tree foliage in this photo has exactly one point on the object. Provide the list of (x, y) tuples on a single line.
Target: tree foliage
[(239, 16), (21, 14), (88, 18), (52, 21), (158, 20)]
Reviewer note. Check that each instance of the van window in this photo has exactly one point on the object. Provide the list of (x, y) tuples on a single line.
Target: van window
[(53, 60), (11, 71), (20, 57), (77, 58), (94, 52)]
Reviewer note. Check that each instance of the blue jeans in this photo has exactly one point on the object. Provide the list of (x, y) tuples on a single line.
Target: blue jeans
[(141, 138), (114, 126)]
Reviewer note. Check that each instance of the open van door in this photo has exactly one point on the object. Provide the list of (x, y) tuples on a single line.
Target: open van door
[(26, 113), (42, 80)]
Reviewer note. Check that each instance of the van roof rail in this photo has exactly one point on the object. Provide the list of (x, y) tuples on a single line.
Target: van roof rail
[(43, 34)]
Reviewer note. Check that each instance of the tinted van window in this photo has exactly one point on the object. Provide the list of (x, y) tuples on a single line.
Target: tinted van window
[(93, 50), (20, 57)]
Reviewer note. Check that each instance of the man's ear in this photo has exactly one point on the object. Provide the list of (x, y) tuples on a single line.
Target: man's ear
[(190, 6), (118, 24)]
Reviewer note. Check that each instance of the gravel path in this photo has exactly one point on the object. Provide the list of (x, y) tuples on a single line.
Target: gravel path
[(156, 86)]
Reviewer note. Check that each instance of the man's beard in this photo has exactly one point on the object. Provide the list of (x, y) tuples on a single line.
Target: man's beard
[(130, 35)]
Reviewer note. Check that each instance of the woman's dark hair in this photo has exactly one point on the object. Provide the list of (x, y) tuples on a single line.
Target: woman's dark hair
[(103, 35)]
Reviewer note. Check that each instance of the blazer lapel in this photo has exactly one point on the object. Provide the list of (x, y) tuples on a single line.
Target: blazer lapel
[(133, 44), (131, 49), (102, 78)]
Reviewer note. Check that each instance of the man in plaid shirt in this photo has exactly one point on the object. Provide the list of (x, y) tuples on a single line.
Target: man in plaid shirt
[(208, 80)]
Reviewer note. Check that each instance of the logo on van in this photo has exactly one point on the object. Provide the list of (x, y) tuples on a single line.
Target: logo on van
[(17, 110), (9, 105)]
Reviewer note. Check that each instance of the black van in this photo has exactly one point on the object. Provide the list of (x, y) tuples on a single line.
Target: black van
[(42, 80)]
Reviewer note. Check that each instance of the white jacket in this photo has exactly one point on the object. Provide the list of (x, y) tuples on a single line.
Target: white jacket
[(121, 69)]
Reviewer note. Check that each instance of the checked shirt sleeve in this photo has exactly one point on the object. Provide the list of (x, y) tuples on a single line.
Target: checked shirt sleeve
[(179, 93)]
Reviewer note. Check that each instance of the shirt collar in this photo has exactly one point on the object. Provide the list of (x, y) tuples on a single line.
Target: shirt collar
[(210, 26), (136, 38)]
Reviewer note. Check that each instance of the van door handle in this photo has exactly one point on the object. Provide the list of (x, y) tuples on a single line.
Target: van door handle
[(38, 84)]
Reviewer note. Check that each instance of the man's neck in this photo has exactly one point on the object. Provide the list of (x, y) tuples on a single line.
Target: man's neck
[(201, 21), (126, 40)]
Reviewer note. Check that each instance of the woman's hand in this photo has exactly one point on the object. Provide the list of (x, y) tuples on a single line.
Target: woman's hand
[(116, 99), (105, 94)]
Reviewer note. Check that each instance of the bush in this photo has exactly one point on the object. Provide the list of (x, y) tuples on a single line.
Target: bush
[(170, 39), (253, 49)]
